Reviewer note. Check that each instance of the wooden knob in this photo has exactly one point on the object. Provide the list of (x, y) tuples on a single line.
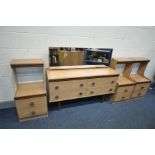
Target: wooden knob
[(125, 90), (56, 97), (92, 92), (80, 93), (110, 89), (123, 97), (56, 87), (81, 85), (112, 81), (142, 88), (93, 84), (139, 94), (33, 113), (31, 104)]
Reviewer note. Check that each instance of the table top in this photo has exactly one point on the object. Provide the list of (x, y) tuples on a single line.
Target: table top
[(74, 72)]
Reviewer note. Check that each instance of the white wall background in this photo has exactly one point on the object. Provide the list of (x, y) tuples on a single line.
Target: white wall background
[(33, 42)]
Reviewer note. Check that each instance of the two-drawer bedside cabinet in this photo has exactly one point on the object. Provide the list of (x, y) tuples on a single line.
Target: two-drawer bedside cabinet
[(71, 82), (30, 98)]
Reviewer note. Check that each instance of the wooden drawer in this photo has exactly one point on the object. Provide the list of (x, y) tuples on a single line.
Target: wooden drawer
[(60, 96), (31, 107), (100, 91), (104, 81), (67, 85), (123, 93), (140, 90)]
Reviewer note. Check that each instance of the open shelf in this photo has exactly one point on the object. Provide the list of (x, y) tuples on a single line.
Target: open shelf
[(24, 90), (27, 63), (122, 80), (138, 78)]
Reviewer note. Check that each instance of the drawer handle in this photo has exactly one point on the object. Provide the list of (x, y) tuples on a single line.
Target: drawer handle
[(125, 90), (110, 89), (93, 84), (123, 97), (139, 94), (33, 113), (56, 97), (80, 93), (31, 104), (92, 92), (56, 87), (112, 81), (81, 85), (142, 88)]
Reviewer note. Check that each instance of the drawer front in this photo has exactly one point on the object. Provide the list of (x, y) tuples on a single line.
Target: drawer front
[(31, 107), (100, 91), (60, 96), (104, 81), (67, 85), (140, 89), (123, 93)]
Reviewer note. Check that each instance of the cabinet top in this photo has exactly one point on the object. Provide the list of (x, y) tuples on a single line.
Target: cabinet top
[(78, 72), (130, 60), (27, 63)]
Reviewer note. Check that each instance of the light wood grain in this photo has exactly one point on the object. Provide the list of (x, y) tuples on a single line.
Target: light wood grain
[(120, 60), (80, 73), (27, 63), (31, 107), (138, 78), (102, 82), (25, 90), (66, 86), (76, 67), (122, 80), (123, 93), (140, 90), (61, 96)]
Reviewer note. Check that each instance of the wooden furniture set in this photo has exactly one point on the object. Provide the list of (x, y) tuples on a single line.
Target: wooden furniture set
[(130, 85), (71, 82)]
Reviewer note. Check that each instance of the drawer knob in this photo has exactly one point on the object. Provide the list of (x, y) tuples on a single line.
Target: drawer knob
[(80, 93), (123, 97), (93, 84), (92, 92), (33, 113), (112, 81), (31, 104), (139, 94), (142, 88), (110, 89), (125, 90), (56, 97), (56, 87), (81, 85)]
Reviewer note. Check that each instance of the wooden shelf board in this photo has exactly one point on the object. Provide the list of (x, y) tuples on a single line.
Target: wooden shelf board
[(138, 78), (76, 67), (27, 63), (131, 60), (25, 90), (55, 75), (122, 80)]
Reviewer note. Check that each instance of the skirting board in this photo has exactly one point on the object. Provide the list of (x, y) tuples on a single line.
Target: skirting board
[(7, 104)]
